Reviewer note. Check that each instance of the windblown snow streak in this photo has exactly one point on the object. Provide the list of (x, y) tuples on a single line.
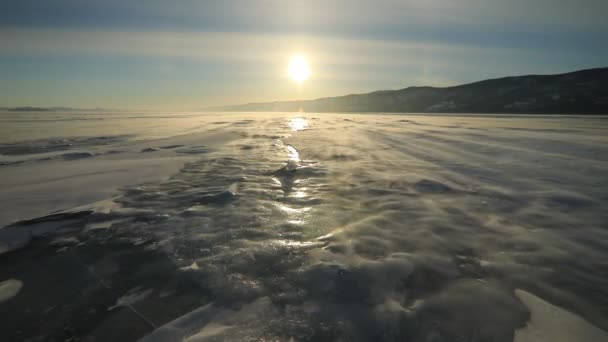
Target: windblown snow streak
[(330, 227)]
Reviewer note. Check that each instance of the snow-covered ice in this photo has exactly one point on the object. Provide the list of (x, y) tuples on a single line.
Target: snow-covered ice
[(304, 226)]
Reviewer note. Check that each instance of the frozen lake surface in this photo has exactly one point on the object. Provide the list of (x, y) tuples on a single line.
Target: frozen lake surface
[(303, 227)]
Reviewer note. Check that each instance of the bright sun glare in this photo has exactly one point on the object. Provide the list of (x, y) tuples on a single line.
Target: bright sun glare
[(298, 68)]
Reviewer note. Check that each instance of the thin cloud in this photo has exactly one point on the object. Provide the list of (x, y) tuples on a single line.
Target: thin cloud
[(233, 47)]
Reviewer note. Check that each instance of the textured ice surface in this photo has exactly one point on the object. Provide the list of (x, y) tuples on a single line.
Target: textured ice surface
[(551, 323), (323, 227), (130, 298), (9, 289)]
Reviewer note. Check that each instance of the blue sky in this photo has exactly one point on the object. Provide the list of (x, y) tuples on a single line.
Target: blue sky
[(193, 54)]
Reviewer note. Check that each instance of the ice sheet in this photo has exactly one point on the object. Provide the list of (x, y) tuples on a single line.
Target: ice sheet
[(341, 227)]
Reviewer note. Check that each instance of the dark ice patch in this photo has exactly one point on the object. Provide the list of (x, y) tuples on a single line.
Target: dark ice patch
[(266, 136), (57, 144), (55, 217), (243, 122), (170, 147), (431, 186), (567, 202), (68, 294), (408, 121), (343, 157), (543, 130), (19, 234), (193, 150), (12, 162), (77, 155), (469, 311), (221, 198)]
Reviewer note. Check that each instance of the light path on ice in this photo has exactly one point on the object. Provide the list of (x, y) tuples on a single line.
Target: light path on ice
[(551, 323)]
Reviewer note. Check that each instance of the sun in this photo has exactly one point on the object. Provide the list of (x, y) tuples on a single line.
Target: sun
[(298, 69)]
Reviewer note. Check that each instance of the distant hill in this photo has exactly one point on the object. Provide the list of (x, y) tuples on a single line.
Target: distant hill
[(579, 92), (48, 109), (37, 109)]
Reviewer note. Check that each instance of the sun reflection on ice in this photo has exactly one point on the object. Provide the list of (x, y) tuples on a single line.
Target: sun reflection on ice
[(293, 210), (298, 124), (293, 154), (295, 216), (301, 193)]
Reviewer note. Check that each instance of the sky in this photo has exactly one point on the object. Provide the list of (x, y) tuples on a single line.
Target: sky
[(150, 54)]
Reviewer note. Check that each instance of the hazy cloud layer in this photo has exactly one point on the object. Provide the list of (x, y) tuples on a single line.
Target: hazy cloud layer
[(213, 52), (335, 15)]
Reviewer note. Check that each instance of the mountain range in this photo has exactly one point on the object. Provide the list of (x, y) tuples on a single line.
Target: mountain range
[(579, 92)]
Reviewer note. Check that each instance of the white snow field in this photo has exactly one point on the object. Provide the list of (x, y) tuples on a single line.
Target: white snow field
[(303, 227)]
